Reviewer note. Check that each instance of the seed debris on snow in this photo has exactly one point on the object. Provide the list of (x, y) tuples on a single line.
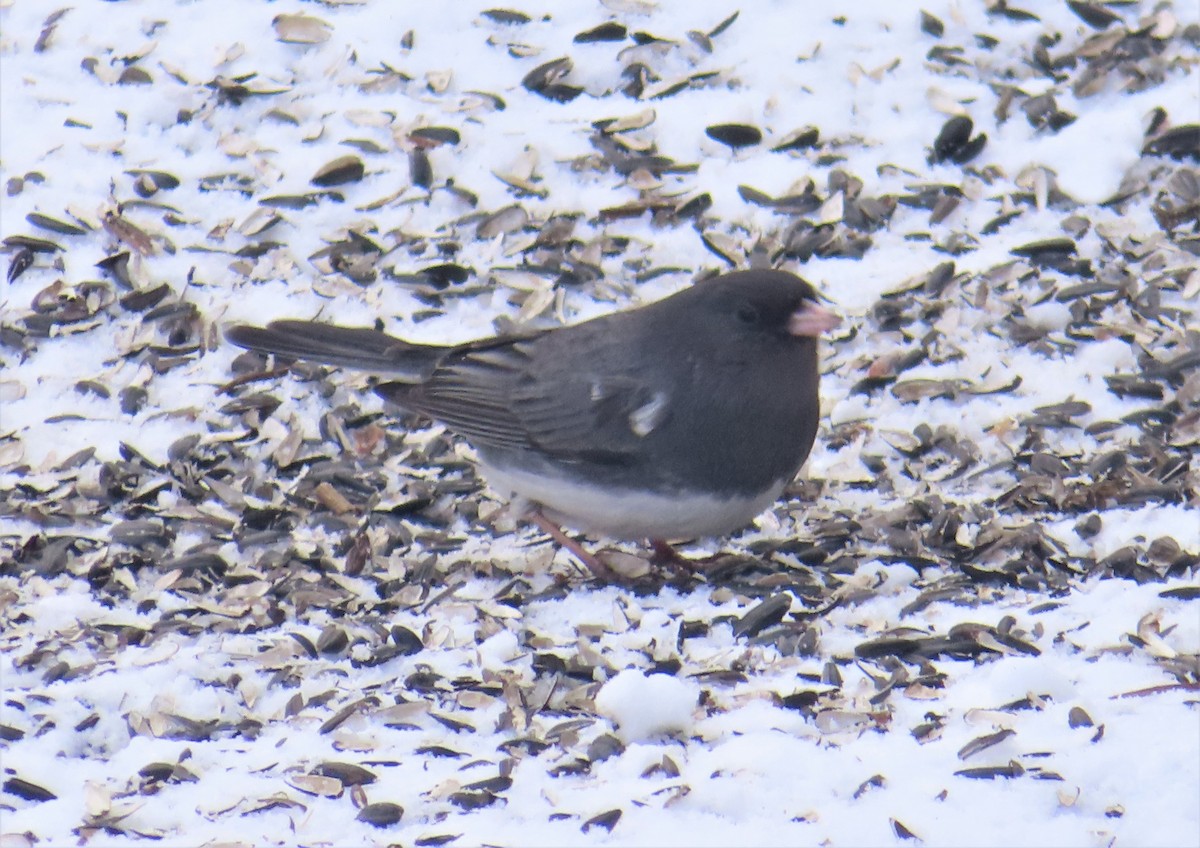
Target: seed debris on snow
[(227, 576)]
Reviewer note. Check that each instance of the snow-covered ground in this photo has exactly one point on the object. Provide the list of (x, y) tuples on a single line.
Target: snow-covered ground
[(253, 606)]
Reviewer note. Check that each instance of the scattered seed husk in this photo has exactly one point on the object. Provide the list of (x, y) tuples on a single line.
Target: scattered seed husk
[(954, 142), (301, 29), (343, 170), (56, 225), (734, 136), (606, 820), (381, 814), (1182, 142), (609, 31), (932, 25)]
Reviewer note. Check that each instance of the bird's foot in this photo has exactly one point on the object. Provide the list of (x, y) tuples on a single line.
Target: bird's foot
[(589, 560), (665, 554), (614, 566)]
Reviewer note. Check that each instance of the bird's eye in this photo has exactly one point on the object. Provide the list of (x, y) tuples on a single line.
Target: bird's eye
[(746, 313)]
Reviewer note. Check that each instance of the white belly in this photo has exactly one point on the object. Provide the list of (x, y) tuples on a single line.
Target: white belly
[(629, 515)]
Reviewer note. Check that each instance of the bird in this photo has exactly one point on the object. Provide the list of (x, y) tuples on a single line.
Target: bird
[(680, 419)]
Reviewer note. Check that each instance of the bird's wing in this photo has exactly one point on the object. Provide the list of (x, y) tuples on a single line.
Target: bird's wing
[(349, 347), (540, 393), (470, 392)]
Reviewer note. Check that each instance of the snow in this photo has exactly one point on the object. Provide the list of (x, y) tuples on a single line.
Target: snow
[(113, 664), (642, 706)]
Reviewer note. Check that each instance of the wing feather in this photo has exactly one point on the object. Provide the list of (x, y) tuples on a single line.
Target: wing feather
[(535, 393)]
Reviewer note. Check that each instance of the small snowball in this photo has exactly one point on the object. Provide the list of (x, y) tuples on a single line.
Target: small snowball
[(643, 706), (498, 650)]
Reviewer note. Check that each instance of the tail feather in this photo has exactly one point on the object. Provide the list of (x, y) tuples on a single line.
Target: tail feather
[(348, 347)]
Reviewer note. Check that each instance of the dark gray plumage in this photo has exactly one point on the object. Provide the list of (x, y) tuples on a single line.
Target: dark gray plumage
[(682, 418)]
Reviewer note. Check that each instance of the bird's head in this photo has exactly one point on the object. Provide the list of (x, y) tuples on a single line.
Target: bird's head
[(763, 304)]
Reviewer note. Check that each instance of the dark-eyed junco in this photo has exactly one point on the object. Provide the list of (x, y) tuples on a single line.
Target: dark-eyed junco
[(680, 419)]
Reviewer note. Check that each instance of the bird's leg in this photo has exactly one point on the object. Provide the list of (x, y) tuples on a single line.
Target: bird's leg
[(665, 554), (683, 566), (601, 571)]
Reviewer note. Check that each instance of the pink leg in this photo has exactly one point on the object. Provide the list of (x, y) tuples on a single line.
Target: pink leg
[(665, 554), (599, 570)]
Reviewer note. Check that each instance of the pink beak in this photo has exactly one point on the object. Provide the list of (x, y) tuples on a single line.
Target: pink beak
[(812, 320)]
